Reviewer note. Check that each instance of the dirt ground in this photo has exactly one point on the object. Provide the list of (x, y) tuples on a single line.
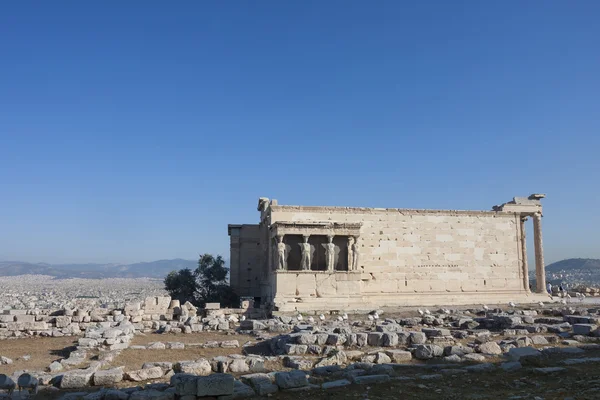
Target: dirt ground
[(43, 350)]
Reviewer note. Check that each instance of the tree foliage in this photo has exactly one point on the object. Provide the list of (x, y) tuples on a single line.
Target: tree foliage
[(207, 284)]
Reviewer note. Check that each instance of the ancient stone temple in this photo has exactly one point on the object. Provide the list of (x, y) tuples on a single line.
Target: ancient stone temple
[(344, 258)]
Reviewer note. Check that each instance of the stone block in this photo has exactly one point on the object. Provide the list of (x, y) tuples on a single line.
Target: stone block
[(215, 385), (166, 366), (390, 339), (25, 318), (306, 338), (292, 379), (212, 306), (428, 351), (375, 339), (76, 379), (108, 377), (335, 339), (435, 332), (185, 384), (584, 329), (62, 321), (399, 356), (252, 325), (517, 353), (417, 338), (199, 367), (335, 384), (144, 374), (491, 348), (262, 383)]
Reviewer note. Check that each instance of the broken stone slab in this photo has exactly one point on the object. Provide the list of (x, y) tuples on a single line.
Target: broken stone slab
[(326, 370), (298, 363), (418, 338), (335, 384), (108, 377), (454, 358), (428, 351), (156, 346), (584, 329), (459, 350), (491, 348), (574, 361), (164, 365), (375, 339), (175, 345), (539, 340), (55, 367), (511, 366), (399, 356), (199, 367), (238, 366), (144, 374), (563, 350), (435, 332), (519, 352), (306, 339), (262, 383), (474, 357), (369, 379), (292, 379), (390, 339), (76, 379), (580, 319)]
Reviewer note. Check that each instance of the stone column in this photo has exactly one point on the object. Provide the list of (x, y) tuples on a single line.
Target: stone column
[(281, 254), (524, 265), (305, 247), (540, 269)]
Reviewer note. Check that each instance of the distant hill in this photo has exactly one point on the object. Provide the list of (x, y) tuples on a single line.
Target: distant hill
[(575, 264), (154, 269)]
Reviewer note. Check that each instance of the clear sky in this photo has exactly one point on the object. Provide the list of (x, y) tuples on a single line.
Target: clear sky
[(138, 130)]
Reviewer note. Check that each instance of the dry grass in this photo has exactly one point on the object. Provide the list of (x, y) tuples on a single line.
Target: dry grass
[(43, 350)]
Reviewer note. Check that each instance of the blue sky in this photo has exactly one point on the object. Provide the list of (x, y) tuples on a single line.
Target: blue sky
[(135, 131)]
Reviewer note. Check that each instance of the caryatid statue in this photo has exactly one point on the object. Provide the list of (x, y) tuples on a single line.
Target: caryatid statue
[(281, 259), (353, 253), (305, 246), (330, 253)]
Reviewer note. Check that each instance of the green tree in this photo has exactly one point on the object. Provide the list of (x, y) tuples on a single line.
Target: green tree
[(182, 285), (207, 284)]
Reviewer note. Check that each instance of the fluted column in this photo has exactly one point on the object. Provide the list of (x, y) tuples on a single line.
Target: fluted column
[(524, 265), (540, 269)]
